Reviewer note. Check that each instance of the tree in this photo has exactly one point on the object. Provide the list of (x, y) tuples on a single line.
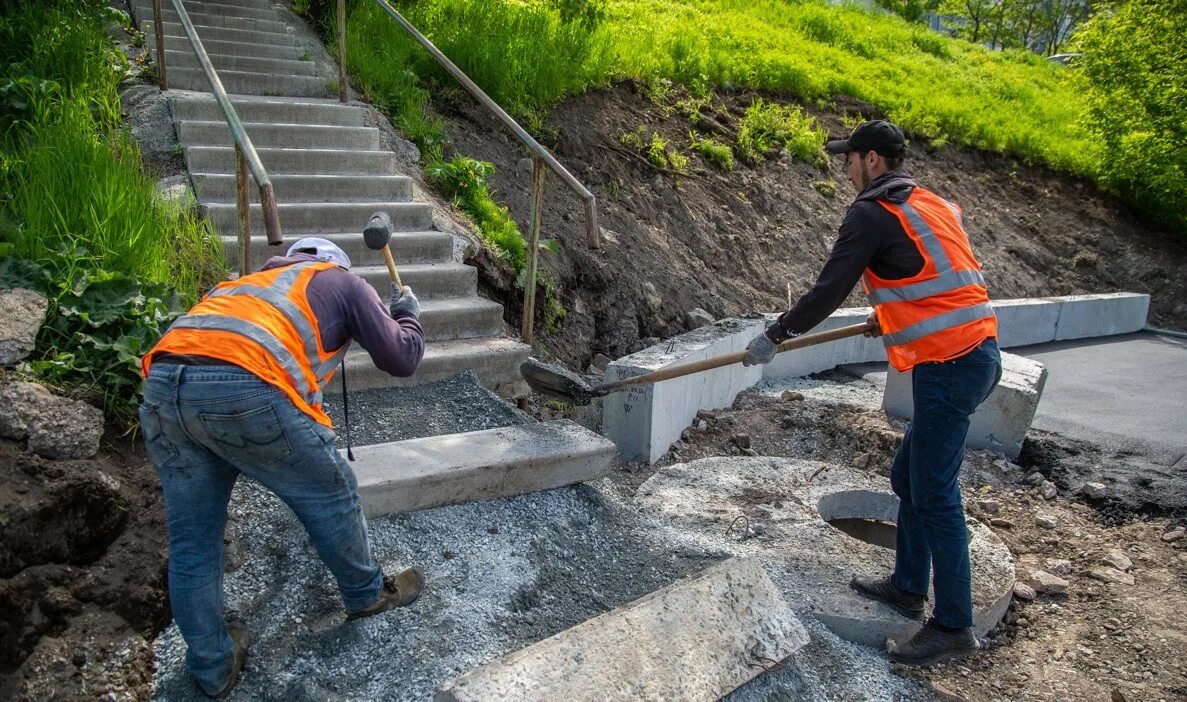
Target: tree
[(1023, 17), (1132, 67), (974, 15), (910, 10)]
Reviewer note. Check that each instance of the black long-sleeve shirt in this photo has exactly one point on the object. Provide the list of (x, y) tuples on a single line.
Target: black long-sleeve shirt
[(870, 237)]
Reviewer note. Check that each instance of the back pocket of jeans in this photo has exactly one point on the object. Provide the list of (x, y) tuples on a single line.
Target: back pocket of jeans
[(257, 435)]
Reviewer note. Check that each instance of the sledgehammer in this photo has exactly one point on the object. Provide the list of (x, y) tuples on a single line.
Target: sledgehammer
[(377, 236)]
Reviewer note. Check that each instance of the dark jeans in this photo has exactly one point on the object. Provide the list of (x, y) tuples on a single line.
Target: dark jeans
[(203, 427), (932, 535)]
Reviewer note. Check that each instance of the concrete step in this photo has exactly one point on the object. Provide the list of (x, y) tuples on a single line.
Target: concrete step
[(218, 20), (250, 83), (495, 361), (220, 187), (287, 50), (309, 218), (481, 465), (245, 10), (245, 64), (407, 247), (270, 109), (221, 159), (176, 38), (264, 135), (429, 280)]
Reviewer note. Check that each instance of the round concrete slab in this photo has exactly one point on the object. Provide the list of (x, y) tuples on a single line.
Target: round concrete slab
[(779, 509)]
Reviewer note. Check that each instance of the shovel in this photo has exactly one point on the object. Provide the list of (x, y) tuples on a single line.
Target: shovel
[(566, 386)]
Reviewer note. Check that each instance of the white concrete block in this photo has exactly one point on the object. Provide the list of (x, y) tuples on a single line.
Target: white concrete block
[(815, 359), (1001, 422), (1083, 316), (433, 471), (1026, 320), (697, 639)]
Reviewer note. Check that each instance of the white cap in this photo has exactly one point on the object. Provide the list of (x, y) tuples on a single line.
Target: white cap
[(323, 249)]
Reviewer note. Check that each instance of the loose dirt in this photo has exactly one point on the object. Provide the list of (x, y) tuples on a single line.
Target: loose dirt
[(730, 243)]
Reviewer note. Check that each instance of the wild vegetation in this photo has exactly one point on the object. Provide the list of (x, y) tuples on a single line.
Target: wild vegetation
[(79, 220)]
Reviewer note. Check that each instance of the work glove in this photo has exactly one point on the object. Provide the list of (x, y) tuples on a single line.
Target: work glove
[(404, 303), (760, 351), (875, 327)]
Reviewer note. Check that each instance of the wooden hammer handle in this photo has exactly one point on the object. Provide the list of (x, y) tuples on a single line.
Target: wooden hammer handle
[(391, 267)]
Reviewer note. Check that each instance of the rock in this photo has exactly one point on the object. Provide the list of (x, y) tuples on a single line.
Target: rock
[(1047, 521), (1111, 575), (1001, 523), (702, 425), (1094, 491), (22, 313), (1024, 592), (1036, 478), (55, 427), (742, 440), (1059, 566), (1174, 535), (1047, 584), (176, 191), (699, 318), (1005, 465), (1048, 490), (791, 396), (1116, 558), (990, 506), (600, 361)]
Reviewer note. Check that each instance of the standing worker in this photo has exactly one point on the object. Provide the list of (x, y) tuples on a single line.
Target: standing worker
[(235, 387), (932, 311)]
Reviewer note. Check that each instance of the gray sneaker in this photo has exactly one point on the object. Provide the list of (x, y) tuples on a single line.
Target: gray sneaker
[(931, 644), (884, 590)]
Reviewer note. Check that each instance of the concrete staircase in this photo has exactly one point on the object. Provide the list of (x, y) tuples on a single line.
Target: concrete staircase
[(330, 174)]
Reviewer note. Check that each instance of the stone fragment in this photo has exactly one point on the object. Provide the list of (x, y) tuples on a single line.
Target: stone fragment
[(1048, 490), (1024, 592), (1174, 535), (1111, 575), (1001, 523), (22, 313), (1046, 521), (1058, 566), (600, 361), (991, 506), (1047, 584), (742, 440), (1036, 478), (1094, 491), (70, 430), (1116, 558), (1005, 465), (699, 318), (792, 396)]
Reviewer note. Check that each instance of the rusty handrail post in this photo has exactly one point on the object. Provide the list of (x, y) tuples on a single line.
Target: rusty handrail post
[(244, 239), (238, 132), (159, 31), (342, 50), (529, 282), (593, 233)]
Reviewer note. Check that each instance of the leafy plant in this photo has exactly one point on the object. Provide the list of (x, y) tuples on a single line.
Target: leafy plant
[(465, 181), (657, 150), (713, 151), (767, 126)]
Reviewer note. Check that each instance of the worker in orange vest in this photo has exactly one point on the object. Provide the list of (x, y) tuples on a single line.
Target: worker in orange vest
[(931, 308), (235, 387)]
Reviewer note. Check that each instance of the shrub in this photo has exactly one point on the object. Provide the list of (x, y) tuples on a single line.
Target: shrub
[(713, 151), (767, 126), (465, 181)]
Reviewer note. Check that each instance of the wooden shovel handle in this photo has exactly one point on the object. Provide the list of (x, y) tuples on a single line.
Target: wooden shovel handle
[(391, 267), (798, 342)]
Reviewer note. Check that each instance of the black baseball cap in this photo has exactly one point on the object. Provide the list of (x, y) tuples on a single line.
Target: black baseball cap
[(877, 135)]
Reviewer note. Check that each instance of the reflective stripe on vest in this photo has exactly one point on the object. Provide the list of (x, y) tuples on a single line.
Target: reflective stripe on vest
[(940, 322)]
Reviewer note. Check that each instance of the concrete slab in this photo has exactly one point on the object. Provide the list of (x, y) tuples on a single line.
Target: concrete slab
[(1082, 316), (1001, 422), (813, 525), (697, 639), (1026, 320), (403, 476), (815, 359)]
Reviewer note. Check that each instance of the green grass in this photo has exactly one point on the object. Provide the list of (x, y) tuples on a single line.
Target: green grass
[(766, 126), (713, 151)]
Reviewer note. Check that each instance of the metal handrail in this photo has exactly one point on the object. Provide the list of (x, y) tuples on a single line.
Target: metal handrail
[(540, 155), (246, 157)]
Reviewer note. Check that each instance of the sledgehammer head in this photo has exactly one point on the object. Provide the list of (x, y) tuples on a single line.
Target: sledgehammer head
[(378, 231)]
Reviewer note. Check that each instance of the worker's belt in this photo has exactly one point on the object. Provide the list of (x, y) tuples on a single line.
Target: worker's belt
[(179, 359)]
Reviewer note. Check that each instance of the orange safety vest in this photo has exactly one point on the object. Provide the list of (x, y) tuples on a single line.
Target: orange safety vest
[(943, 311), (262, 323)]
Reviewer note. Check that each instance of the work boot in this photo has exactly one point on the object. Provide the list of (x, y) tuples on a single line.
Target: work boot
[(933, 644), (398, 590), (238, 634), (885, 590)]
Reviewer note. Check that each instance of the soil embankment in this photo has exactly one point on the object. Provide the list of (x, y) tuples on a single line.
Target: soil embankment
[(732, 242)]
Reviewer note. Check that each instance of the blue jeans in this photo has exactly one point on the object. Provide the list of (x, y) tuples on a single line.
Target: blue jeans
[(203, 426), (931, 534)]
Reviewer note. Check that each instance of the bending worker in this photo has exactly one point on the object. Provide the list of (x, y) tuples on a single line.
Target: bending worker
[(235, 387), (932, 308)]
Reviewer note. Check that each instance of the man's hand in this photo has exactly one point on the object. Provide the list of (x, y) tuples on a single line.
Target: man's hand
[(404, 303), (760, 351), (875, 329)]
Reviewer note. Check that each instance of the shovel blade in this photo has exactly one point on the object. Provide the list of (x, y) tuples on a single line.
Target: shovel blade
[(555, 382)]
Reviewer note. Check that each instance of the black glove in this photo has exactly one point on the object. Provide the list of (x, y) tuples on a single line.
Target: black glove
[(404, 304)]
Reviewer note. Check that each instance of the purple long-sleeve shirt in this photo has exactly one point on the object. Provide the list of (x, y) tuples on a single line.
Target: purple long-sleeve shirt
[(347, 307)]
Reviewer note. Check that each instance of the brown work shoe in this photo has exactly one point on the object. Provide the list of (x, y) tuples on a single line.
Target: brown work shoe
[(398, 591), (238, 634)]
